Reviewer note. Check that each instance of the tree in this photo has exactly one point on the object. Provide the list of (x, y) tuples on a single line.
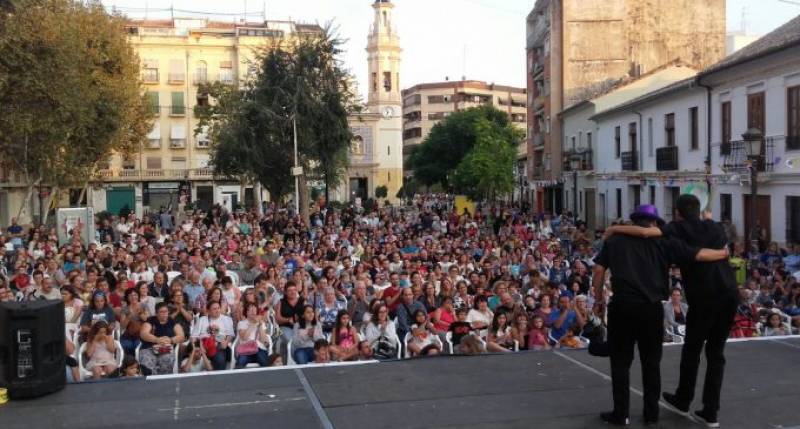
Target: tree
[(487, 170), (251, 128), (381, 191), (70, 93), (439, 158)]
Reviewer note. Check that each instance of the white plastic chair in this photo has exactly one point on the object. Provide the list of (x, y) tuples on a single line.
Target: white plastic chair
[(85, 374), (289, 358), (232, 364)]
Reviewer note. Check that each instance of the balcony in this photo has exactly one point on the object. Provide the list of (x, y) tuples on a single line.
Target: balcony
[(154, 143), (176, 78), (150, 76), (177, 111), (538, 139), (629, 161), (586, 158), (667, 158), (734, 156), (126, 175), (177, 143)]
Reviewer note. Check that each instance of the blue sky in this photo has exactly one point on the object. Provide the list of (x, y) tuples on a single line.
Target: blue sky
[(479, 39)]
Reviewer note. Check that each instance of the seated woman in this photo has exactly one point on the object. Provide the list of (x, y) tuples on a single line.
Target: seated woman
[(180, 311), (215, 331), (480, 317), (197, 360), (423, 337), (160, 335), (381, 334), (674, 314), (328, 308), (98, 310), (132, 315), (443, 316), (775, 326), (100, 350), (520, 331), (253, 340), (500, 339), (306, 332), (537, 337), (344, 339)]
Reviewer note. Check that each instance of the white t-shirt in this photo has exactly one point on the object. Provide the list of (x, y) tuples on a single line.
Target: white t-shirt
[(252, 334), (223, 322)]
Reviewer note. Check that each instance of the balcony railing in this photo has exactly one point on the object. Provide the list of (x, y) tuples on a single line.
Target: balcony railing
[(176, 78), (629, 161), (537, 171), (150, 76), (667, 158), (177, 110), (177, 143), (735, 158), (154, 174)]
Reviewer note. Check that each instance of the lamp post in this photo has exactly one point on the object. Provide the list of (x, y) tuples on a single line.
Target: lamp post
[(575, 163), (753, 139)]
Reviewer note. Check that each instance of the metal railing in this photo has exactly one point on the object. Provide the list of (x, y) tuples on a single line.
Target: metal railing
[(667, 158), (153, 174), (735, 155), (629, 161)]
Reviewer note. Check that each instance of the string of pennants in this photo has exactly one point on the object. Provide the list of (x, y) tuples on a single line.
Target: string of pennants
[(669, 181)]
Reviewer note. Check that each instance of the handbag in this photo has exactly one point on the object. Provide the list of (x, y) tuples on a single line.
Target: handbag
[(210, 346), (247, 348)]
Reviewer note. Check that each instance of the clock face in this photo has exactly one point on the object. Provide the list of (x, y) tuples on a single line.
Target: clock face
[(387, 112)]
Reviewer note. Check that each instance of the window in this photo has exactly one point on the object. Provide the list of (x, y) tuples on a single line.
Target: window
[(226, 72), (726, 206), (756, 116), (793, 220), (178, 108), (572, 139), (177, 136), (589, 141), (128, 164), (619, 203), (150, 71), (388, 176), (154, 137), (632, 136), (725, 114), (201, 72), (153, 163), (636, 190), (617, 148), (388, 150), (178, 163), (152, 102), (694, 138), (176, 72), (669, 129), (793, 118), (357, 145), (652, 194), (650, 137), (202, 138), (374, 82), (387, 81)]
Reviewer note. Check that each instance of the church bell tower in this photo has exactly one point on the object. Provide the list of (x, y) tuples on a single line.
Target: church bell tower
[(383, 49)]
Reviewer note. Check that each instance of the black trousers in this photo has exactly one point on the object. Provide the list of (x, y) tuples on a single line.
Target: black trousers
[(707, 325), (641, 325)]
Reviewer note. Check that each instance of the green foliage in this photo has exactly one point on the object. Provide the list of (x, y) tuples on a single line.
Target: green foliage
[(449, 141), (251, 128), (69, 89), (381, 191), (487, 170)]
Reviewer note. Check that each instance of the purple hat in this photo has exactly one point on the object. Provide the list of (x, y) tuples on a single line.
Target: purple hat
[(647, 211)]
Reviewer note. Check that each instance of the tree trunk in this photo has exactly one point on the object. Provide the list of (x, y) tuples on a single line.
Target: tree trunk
[(53, 193), (27, 201), (303, 189), (84, 191), (327, 191), (257, 189)]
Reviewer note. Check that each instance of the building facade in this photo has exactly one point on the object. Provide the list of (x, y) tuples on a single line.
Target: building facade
[(577, 49)]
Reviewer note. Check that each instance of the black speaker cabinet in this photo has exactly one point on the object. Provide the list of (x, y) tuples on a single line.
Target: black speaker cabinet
[(32, 356)]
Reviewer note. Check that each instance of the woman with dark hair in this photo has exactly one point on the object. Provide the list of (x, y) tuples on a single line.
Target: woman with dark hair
[(159, 335), (180, 311), (429, 298), (98, 310), (344, 339), (306, 332), (381, 333), (73, 306), (500, 339), (480, 317), (100, 349), (253, 342), (215, 295), (443, 316), (147, 301), (423, 338), (545, 308), (132, 315)]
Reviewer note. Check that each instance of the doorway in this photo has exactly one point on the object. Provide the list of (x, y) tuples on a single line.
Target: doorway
[(763, 216), (602, 217), (358, 188), (205, 198), (589, 213)]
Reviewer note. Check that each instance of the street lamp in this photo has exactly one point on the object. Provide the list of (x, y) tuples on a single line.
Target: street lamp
[(575, 163), (753, 139)]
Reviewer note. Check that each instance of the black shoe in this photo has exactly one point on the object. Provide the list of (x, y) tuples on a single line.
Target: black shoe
[(708, 417), (614, 419), (672, 399)]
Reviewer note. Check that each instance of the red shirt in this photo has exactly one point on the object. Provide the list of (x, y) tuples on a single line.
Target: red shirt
[(391, 292)]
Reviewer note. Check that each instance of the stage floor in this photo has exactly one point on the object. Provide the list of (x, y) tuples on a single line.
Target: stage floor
[(562, 389)]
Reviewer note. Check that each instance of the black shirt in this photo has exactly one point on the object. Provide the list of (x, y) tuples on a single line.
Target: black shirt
[(639, 266), (705, 282)]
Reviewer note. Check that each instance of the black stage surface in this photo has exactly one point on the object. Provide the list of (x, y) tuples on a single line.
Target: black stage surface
[(562, 389)]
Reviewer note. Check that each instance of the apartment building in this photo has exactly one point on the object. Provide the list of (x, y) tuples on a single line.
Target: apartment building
[(578, 49), (176, 57)]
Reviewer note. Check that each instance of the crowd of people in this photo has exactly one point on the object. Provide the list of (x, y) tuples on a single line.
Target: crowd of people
[(205, 291)]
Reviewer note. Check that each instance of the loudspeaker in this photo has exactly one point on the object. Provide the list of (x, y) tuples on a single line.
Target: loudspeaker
[(32, 355)]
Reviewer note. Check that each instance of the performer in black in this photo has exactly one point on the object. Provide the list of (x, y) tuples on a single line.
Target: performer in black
[(711, 293), (639, 282)]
